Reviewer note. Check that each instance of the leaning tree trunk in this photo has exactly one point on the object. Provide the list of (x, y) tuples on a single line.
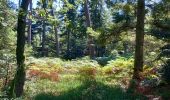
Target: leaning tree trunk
[(17, 85), (90, 44), (138, 64)]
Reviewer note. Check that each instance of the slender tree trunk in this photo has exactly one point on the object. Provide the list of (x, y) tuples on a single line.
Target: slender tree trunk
[(56, 34), (87, 14), (90, 44), (30, 25), (138, 64), (126, 48), (68, 44), (44, 50), (43, 38), (19, 4), (57, 42), (16, 89)]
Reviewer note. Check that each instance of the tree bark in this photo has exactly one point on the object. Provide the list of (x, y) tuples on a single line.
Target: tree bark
[(30, 25), (138, 64), (16, 89), (19, 3), (44, 50), (68, 44), (56, 34), (90, 44), (87, 14), (43, 38), (57, 42)]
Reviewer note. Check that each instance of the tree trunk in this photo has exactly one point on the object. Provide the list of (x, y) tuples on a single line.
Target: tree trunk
[(68, 44), (16, 89), (43, 39), (138, 64), (30, 25), (57, 42), (44, 50), (19, 4), (56, 34), (90, 44), (126, 48), (87, 14)]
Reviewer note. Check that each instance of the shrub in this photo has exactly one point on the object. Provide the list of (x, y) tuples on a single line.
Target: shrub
[(111, 70), (7, 70), (165, 95), (44, 68), (104, 60), (53, 76), (118, 65), (90, 71), (83, 62), (121, 62), (166, 72), (87, 74), (44, 64)]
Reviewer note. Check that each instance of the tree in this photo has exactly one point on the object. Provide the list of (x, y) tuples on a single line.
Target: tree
[(55, 23), (161, 30), (16, 89), (30, 25), (90, 44), (7, 23), (70, 28), (44, 28), (98, 19), (138, 64)]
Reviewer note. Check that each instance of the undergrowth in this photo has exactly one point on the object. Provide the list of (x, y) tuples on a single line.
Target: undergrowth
[(81, 79)]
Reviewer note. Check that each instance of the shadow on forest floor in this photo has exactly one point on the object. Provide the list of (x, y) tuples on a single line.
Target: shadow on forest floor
[(91, 91)]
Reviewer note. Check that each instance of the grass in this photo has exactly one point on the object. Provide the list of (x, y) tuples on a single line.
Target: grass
[(46, 86), (92, 91), (77, 87)]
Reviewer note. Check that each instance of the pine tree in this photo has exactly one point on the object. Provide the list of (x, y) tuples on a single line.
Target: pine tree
[(138, 64), (161, 30), (16, 89)]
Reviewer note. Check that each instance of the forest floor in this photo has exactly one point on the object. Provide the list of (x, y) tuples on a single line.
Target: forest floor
[(84, 79), (54, 79)]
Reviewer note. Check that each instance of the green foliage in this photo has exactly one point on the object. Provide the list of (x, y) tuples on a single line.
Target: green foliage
[(7, 70), (163, 92), (166, 72), (165, 95), (121, 62), (131, 88), (76, 79), (112, 28), (119, 65), (83, 62), (161, 30), (92, 33), (46, 65), (7, 47), (46, 86), (104, 60), (7, 23), (92, 91)]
